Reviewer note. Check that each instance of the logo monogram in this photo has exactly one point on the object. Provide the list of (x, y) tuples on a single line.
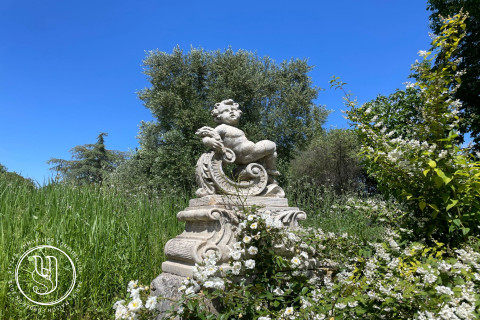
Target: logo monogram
[(45, 275)]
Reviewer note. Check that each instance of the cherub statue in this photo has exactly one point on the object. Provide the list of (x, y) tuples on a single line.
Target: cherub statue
[(227, 135)]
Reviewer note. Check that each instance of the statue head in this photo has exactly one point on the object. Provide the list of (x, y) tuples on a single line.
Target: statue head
[(226, 112)]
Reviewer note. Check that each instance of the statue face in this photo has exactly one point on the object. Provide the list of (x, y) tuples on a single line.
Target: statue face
[(228, 114)]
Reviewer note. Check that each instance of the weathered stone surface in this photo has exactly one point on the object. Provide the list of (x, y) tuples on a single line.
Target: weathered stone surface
[(211, 225), (256, 162), (165, 286), (228, 200)]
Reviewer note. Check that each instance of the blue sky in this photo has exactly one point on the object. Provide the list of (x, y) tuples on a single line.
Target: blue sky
[(71, 69)]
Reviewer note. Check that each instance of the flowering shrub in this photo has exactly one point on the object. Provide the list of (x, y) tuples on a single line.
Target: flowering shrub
[(276, 273), (410, 147), (139, 305)]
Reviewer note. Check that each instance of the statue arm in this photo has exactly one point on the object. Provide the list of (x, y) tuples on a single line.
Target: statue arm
[(211, 138)]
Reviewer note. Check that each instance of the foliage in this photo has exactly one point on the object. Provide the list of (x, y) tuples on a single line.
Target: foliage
[(276, 273), (330, 160), (92, 163), (391, 280), (469, 60), (115, 236), (421, 163), (14, 178), (276, 100)]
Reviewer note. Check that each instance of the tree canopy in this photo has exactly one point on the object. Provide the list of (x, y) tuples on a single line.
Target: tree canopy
[(277, 101), (91, 163), (469, 54)]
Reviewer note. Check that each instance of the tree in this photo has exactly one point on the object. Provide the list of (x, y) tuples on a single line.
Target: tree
[(15, 178), (276, 100), (91, 163), (469, 68), (331, 160)]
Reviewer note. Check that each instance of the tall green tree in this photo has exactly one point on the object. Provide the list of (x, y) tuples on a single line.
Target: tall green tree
[(469, 53), (276, 100), (91, 163), (331, 160)]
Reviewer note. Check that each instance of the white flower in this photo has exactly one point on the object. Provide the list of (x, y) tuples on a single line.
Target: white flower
[(237, 246), (118, 303), (304, 254), (254, 225), (444, 290), (247, 239), (295, 261), (250, 217), (121, 312), (135, 293), (252, 250), (422, 53), (215, 283), (264, 318), (237, 266), (135, 305), (430, 278), (236, 255), (443, 154), (151, 303), (368, 110), (292, 237), (132, 285), (190, 290), (340, 306), (278, 291), (353, 304), (250, 264), (288, 311), (409, 84), (395, 155)]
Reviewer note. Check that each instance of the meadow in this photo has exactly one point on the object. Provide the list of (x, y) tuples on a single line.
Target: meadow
[(120, 237)]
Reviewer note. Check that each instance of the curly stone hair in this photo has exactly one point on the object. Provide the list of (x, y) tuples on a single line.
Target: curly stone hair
[(228, 102)]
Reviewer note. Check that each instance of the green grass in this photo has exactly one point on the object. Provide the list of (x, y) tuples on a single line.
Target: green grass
[(342, 213), (117, 238)]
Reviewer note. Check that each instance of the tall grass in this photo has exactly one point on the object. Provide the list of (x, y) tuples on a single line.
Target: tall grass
[(349, 212), (116, 237), (119, 237)]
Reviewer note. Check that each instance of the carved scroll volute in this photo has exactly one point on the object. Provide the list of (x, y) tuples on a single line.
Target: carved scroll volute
[(212, 179)]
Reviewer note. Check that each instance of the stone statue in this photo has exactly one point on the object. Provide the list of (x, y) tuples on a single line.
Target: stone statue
[(212, 220), (228, 144)]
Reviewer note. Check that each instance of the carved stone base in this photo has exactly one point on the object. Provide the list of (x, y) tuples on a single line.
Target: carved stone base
[(166, 286), (211, 224)]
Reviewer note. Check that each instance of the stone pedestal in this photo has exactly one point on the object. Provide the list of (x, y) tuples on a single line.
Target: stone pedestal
[(211, 224)]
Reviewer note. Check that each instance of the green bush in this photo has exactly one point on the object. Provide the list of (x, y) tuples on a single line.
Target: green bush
[(420, 161)]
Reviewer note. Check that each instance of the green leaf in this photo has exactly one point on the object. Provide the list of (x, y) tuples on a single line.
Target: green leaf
[(465, 231), (422, 205), (442, 175), (452, 204), (457, 222), (425, 172), (438, 181), (432, 164)]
